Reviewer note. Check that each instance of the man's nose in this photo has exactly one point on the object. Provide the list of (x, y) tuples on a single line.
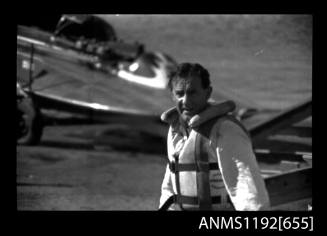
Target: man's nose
[(185, 100)]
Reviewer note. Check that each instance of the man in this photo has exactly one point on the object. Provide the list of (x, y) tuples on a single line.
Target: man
[(211, 162)]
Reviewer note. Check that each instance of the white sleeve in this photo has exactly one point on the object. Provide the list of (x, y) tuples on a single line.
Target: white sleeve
[(240, 170), (166, 187)]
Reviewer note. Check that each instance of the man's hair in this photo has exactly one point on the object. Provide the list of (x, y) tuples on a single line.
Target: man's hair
[(185, 70)]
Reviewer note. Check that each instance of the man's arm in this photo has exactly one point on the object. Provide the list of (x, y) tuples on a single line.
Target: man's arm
[(166, 187), (240, 169)]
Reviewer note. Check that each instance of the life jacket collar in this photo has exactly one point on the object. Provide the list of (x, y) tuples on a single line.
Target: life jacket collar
[(214, 109)]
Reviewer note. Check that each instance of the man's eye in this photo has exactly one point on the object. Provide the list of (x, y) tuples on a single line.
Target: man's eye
[(179, 94)]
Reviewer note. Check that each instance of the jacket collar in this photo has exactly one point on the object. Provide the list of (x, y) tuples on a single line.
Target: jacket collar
[(214, 109)]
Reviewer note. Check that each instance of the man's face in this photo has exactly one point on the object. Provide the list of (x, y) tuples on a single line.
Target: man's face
[(190, 97)]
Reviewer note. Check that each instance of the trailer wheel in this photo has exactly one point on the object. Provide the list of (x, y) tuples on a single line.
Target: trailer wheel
[(29, 122)]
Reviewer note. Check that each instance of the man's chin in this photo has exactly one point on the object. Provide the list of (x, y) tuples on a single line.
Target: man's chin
[(187, 116)]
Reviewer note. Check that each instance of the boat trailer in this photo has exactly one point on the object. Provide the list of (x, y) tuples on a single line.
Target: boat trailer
[(283, 147)]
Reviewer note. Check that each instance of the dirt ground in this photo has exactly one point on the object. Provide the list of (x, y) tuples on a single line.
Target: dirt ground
[(72, 174)]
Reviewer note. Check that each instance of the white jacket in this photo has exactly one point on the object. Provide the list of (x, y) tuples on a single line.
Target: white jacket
[(238, 167)]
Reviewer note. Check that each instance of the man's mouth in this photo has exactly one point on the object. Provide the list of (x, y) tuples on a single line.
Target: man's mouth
[(187, 110)]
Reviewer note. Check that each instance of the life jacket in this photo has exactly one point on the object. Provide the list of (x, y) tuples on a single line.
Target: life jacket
[(199, 184)]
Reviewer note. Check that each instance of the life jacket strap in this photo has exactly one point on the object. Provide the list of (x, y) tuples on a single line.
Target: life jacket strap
[(178, 187), (202, 176), (174, 167), (181, 199), (195, 200)]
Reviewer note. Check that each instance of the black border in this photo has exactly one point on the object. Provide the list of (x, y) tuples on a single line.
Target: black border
[(167, 222)]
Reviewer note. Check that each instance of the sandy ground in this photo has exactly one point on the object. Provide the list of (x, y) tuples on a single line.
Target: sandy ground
[(73, 174)]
